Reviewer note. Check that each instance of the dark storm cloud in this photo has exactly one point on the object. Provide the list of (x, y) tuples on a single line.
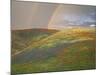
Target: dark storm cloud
[(77, 14), (26, 15)]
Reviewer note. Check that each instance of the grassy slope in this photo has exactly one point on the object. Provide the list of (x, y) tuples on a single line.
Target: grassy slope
[(78, 55), (23, 38), (64, 36)]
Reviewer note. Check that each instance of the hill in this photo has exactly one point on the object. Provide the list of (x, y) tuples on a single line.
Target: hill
[(21, 39), (69, 49)]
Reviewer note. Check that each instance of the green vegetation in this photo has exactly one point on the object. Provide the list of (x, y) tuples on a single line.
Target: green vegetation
[(72, 49), (23, 38)]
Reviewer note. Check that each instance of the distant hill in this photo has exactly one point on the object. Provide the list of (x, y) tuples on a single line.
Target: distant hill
[(65, 36), (22, 38)]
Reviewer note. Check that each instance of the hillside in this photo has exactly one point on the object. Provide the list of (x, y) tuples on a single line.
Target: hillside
[(23, 38), (69, 49)]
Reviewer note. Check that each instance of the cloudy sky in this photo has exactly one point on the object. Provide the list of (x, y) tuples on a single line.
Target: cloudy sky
[(26, 15)]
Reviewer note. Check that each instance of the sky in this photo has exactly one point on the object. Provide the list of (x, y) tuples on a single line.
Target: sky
[(28, 15)]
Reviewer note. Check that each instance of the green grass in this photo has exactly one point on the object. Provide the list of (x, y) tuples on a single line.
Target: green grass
[(76, 56), (23, 38)]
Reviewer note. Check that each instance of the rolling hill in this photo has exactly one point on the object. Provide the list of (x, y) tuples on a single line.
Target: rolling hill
[(23, 38), (69, 49)]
